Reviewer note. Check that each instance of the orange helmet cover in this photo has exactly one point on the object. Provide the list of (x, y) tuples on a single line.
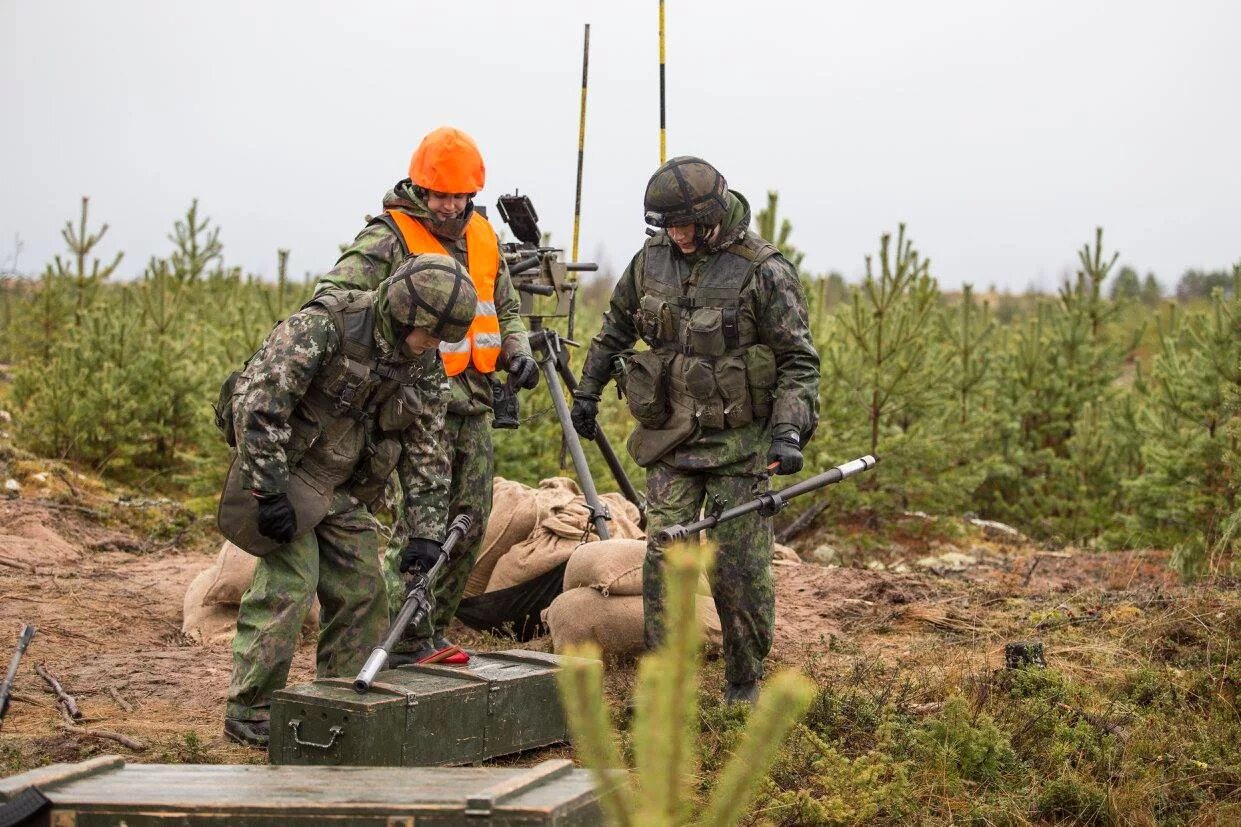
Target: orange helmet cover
[(448, 160)]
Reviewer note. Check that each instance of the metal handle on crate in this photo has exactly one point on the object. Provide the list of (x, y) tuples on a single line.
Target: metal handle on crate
[(335, 732)]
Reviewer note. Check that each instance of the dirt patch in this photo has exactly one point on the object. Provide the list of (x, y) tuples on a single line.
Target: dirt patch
[(107, 605)]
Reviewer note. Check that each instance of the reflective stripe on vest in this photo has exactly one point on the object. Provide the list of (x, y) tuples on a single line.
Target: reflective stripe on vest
[(482, 344)]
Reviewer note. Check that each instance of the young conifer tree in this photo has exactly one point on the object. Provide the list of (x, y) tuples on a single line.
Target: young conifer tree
[(1189, 437)]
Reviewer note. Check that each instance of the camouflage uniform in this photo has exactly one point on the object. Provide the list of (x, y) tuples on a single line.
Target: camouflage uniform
[(339, 559), (365, 263), (711, 463)]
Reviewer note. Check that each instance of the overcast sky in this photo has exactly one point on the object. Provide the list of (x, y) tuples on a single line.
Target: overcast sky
[(1001, 133)]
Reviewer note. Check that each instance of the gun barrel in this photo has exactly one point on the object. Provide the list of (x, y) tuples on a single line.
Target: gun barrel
[(528, 263), (581, 267), (414, 609), (538, 289), (770, 502)]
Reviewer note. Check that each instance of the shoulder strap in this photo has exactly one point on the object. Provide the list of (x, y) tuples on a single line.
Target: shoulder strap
[(386, 220)]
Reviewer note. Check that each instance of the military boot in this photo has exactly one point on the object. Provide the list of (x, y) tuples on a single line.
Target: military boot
[(254, 734), (741, 693)]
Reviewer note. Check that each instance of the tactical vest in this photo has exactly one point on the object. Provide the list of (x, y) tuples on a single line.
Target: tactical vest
[(481, 345), (345, 432), (705, 356)]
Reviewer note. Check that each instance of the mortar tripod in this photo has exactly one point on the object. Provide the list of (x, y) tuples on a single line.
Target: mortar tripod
[(549, 350)]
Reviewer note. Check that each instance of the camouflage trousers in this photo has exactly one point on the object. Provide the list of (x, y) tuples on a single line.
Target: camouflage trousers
[(468, 493), (339, 561), (741, 582)]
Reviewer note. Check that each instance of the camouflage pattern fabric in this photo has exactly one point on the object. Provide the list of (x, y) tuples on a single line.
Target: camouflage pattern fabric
[(282, 372), (722, 466), (376, 251), (741, 582), (470, 493), (339, 561), (775, 302)]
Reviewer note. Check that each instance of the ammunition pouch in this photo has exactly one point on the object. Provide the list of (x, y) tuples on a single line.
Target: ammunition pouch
[(656, 320), (371, 475), (397, 411), (705, 332), (646, 387), (760, 377)]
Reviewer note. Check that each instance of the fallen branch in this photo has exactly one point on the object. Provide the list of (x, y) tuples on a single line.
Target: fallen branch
[(67, 700), (26, 699), (106, 734), (16, 564), (121, 702), (802, 522)]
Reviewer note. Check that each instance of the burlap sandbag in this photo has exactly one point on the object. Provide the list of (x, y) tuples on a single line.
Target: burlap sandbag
[(234, 570), (612, 568), (784, 555), (514, 514), (562, 528), (209, 611), (207, 622), (583, 615)]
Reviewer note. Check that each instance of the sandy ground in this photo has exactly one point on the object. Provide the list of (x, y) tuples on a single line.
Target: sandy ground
[(108, 612)]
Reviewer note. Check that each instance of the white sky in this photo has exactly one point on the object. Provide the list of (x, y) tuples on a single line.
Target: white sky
[(1001, 132)]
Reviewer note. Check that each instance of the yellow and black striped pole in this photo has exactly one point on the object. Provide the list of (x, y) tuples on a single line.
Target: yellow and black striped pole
[(581, 142), (663, 123)]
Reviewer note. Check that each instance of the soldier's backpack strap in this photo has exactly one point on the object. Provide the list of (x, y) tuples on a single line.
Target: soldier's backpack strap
[(352, 314), (757, 251), (387, 221)]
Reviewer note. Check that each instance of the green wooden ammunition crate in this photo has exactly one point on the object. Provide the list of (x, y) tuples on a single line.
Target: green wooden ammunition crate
[(107, 792), (424, 715)]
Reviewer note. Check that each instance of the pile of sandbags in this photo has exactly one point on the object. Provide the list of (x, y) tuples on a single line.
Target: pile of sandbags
[(602, 600), (209, 613), (563, 521), (514, 514)]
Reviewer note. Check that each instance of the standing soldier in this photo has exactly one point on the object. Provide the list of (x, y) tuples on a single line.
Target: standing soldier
[(433, 211), (342, 393), (728, 390)]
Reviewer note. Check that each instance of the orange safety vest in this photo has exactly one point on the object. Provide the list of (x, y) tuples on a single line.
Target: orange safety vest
[(482, 344)]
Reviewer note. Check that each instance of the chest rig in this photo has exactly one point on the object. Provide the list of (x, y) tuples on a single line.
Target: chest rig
[(354, 383), (706, 364), (696, 309)]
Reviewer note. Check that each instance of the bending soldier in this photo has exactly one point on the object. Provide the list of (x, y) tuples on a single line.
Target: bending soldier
[(433, 211), (343, 392), (728, 388)]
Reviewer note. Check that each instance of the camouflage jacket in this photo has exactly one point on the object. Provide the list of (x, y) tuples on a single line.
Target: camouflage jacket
[(376, 252), (775, 301), (279, 376)]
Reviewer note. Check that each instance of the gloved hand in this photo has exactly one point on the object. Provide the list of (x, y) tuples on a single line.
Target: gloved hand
[(785, 451), (585, 412), (523, 371), (419, 555), (277, 521)]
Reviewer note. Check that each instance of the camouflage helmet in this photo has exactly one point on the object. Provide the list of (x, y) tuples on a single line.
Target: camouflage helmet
[(686, 190), (430, 291)]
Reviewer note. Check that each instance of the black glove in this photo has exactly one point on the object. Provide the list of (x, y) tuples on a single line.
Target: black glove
[(585, 412), (276, 518), (523, 371), (419, 555), (785, 451)]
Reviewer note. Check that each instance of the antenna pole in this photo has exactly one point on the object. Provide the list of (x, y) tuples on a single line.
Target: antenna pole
[(581, 142), (663, 123)]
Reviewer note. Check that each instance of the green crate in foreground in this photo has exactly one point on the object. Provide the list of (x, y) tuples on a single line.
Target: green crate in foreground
[(424, 715), (107, 792)]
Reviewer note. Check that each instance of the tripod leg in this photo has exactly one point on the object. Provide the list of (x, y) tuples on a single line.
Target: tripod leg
[(605, 448), (587, 482)]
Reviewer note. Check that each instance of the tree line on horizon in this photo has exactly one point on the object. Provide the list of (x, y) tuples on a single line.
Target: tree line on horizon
[(1101, 415)]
